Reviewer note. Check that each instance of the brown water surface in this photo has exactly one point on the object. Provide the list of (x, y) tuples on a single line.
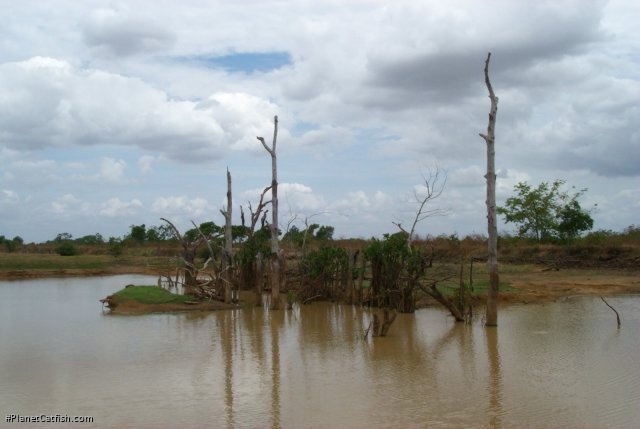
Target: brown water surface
[(561, 364)]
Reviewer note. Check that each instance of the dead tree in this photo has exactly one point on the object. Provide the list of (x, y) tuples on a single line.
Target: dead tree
[(188, 254), (227, 254), (252, 270), (276, 258), (489, 138)]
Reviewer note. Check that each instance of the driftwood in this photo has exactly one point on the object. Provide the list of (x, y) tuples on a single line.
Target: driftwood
[(308, 300)]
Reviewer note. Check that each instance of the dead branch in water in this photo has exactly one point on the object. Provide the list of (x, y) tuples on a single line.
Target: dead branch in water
[(614, 310), (308, 300)]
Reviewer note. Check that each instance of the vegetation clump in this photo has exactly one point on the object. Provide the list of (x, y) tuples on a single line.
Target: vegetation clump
[(148, 295), (153, 299)]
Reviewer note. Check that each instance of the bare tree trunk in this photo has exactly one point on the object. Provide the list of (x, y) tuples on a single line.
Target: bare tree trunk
[(350, 290), (362, 265), (275, 246), (386, 322), (259, 278), (494, 280), (376, 325), (227, 257)]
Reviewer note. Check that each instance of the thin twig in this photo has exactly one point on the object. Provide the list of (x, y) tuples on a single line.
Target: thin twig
[(614, 310)]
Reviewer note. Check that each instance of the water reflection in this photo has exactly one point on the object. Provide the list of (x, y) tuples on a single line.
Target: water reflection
[(495, 378), (558, 365)]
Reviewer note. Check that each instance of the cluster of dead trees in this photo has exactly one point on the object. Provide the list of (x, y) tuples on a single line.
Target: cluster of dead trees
[(388, 273)]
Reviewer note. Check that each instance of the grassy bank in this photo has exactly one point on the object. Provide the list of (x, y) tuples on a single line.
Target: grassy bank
[(29, 265)]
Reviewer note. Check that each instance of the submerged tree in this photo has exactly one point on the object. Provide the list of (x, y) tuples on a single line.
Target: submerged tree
[(492, 260), (276, 257), (227, 254)]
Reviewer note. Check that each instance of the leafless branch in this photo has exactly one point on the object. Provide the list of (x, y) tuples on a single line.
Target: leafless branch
[(175, 230), (434, 184), (255, 215), (206, 241)]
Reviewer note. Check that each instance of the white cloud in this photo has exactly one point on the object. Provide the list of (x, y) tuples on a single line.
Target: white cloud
[(183, 206), (8, 197), (49, 103), (114, 207), (145, 163), (112, 170), (114, 32), (300, 198), (66, 205), (374, 89)]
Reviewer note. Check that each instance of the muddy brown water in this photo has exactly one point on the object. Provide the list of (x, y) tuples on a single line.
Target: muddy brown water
[(562, 364)]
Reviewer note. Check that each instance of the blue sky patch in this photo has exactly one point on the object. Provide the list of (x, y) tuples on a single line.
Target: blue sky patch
[(245, 62)]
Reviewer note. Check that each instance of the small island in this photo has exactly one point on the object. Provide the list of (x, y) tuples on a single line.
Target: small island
[(134, 299)]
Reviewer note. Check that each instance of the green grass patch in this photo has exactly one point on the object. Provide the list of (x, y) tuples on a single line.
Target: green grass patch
[(48, 261), (149, 295), (18, 261)]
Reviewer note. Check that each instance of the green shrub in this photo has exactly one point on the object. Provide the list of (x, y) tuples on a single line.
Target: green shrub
[(67, 249)]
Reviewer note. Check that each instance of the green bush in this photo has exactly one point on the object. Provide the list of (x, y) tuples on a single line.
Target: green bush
[(67, 249)]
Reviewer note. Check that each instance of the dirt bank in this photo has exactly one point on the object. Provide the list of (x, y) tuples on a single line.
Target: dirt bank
[(535, 284)]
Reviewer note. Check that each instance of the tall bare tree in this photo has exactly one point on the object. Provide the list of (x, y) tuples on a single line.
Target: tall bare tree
[(489, 138), (227, 254), (275, 245)]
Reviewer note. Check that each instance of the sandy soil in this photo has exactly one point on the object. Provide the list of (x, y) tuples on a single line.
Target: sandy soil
[(535, 284)]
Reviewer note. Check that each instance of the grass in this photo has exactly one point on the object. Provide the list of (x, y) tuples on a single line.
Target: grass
[(26, 261), (149, 295), (39, 261)]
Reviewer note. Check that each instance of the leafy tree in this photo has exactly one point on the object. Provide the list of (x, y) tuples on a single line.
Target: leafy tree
[(325, 233), (159, 233), (546, 212), (209, 229), (11, 245), (322, 268), (115, 246), (573, 220), (63, 236), (313, 232), (138, 233), (90, 239), (239, 233)]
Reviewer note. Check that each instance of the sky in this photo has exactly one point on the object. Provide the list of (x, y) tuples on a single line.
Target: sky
[(117, 113)]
